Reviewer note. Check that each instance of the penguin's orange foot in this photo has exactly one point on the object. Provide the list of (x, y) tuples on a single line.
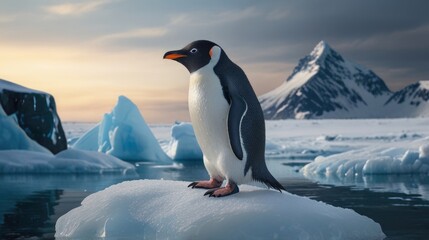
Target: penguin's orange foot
[(229, 189), (212, 183)]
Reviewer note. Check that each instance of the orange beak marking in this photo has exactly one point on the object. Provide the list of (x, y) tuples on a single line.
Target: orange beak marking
[(174, 56)]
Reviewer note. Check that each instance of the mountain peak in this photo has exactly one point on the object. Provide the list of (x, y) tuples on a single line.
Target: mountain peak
[(316, 59), (321, 49), (324, 84), (424, 84)]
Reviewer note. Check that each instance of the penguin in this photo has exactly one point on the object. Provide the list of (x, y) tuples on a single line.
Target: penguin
[(227, 119)]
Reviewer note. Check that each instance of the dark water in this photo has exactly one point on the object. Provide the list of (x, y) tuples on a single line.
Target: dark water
[(31, 204)]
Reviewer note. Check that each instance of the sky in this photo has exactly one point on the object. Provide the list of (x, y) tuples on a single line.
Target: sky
[(86, 53)]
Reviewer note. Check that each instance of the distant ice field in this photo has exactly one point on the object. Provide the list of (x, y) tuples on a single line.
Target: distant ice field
[(307, 139), (342, 147), (302, 138)]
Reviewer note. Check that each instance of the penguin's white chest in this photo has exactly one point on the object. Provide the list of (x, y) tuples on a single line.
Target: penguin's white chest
[(208, 109), (209, 114)]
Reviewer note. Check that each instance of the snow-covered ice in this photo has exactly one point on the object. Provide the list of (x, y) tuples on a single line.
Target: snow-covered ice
[(17, 88), (13, 137), (307, 139), (399, 166), (124, 133), (183, 145), (67, 161), (392, 146), (147, 209), (387, 158)]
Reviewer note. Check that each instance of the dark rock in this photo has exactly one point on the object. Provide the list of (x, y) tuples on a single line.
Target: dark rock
[(36, 114)]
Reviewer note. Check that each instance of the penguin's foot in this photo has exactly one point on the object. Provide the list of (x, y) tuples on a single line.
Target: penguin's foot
[(212, 183), (229, 189)]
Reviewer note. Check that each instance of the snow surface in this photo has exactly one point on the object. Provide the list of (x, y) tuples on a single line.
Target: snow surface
[(307, 139), (149, 209), (13, 137), (67, 161), (183, 145), (424, 84), (123, 133), (17, 88)]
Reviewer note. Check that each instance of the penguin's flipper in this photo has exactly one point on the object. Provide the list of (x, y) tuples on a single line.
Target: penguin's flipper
[(237, 110)]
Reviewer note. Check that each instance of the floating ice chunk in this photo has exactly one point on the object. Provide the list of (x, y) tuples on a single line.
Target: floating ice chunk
[(383, 159), (67, 161), (149, 209), (124, 133), (183, 145), (409, 157)]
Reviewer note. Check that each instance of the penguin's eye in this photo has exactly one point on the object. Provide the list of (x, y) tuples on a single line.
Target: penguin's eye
[(194, 50)]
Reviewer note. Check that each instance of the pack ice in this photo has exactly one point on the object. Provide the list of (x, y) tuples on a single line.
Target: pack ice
[(388, 158)]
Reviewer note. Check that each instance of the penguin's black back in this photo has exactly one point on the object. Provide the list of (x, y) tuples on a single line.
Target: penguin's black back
[(234, 81)]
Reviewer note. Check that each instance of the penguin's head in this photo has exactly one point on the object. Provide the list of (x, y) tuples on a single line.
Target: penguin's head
[(194, 56)]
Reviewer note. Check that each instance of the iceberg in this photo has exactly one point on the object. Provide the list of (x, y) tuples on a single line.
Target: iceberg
[(149, 209), (123, 133), (183, 145), (13, 137), (388, 158), (67, 161), (88, 141)]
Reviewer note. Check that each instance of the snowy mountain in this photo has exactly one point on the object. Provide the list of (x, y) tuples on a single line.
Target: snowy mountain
[(412, 101), (325, 85)]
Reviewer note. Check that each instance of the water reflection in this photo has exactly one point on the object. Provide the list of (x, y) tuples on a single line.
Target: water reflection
[(401, 216), (417, 184), (30, 216), (16, 188)]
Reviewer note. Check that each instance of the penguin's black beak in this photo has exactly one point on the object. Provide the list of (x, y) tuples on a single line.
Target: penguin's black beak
[(173, 55)]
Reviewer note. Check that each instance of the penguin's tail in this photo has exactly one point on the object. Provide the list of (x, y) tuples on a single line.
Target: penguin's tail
[(266, 178)]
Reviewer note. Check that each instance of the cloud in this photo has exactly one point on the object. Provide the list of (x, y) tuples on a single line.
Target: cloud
[(7, 19), (215, 18), (134, 33), (75, 8)]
